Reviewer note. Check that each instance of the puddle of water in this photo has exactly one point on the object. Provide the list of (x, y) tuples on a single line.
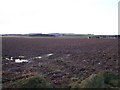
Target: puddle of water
[(49, 54), (7, 58), (11, 58), (39, 57), (21, 56), (20, 61)]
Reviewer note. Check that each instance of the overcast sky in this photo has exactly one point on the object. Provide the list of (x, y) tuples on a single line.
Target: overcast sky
[(59, 16)]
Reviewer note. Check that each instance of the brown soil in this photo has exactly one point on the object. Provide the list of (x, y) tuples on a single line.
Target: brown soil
[(75, 57)]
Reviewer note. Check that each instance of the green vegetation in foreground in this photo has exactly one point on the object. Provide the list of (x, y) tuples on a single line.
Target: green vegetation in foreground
[(104, 79), (32, 82), (101, 80)]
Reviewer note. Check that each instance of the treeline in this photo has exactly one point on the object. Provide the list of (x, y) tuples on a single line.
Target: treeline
[(64, 35), (105, 36)]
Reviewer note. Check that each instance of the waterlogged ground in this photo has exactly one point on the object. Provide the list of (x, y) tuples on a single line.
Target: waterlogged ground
[(58, 59)]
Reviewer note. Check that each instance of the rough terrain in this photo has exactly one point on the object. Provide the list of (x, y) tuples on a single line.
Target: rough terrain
[(61, 60)]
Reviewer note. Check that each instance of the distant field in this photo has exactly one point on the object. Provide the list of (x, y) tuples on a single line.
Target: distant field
[(59, 59), (34, 46)]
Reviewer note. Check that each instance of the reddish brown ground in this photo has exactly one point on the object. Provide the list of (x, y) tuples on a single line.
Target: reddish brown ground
[(71, 58)]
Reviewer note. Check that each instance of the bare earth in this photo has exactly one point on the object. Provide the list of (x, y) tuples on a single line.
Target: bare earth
[(59, 59)]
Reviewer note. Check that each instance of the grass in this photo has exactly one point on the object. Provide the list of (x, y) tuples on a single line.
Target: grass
[(32, 82), (101, 80)]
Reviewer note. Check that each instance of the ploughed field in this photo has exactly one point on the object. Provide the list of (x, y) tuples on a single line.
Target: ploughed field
[(61, 60)]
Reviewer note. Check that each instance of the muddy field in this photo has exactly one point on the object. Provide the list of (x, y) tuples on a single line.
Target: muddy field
[(58, 59)]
